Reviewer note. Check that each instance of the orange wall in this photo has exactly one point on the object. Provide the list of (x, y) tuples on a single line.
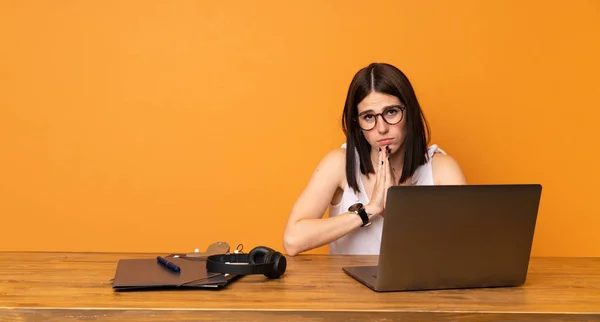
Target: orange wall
[(165, 126)]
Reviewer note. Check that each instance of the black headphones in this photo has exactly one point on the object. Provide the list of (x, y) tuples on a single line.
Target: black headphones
[(260, 260)]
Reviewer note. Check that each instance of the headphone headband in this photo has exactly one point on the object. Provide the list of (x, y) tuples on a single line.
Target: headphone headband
[(261, 260), (235, 264)]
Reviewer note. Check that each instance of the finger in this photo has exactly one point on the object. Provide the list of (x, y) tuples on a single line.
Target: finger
[(396, 176), (388, 180), (389, 177), (379, 180), (381, 172)]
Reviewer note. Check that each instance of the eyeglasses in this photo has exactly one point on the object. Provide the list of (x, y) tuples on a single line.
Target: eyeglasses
[(391, 115)]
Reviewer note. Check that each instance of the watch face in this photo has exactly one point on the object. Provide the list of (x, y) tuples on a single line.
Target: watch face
[(356, 207)]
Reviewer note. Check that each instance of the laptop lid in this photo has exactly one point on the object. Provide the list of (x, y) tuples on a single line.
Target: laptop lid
[(437, 237)]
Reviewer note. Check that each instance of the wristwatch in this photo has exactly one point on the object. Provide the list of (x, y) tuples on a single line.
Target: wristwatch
[(359, 209)]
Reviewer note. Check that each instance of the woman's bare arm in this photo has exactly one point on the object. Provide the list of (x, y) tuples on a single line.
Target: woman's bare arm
[(306, 229)]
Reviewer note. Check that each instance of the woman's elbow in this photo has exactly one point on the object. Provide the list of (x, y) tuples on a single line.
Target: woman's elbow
[(291, 244)]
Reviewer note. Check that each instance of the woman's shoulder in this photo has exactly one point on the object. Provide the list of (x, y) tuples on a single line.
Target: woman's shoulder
[(434, 150), (445, 168), (332, 167), (335, 156), (437, 156), (334, 163)]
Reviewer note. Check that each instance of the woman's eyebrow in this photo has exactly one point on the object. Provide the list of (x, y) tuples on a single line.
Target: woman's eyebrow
[(364, 112), (384, 108)]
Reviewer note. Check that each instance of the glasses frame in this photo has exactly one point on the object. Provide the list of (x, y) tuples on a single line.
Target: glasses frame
[(402, 109)]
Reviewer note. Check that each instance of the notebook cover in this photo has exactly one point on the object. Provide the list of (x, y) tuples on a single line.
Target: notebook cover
[(149, 273)]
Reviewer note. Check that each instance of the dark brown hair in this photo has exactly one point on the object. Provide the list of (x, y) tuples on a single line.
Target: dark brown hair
[(383, 78)]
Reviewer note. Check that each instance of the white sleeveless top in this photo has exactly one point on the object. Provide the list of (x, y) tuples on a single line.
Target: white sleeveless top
[(366, 240)]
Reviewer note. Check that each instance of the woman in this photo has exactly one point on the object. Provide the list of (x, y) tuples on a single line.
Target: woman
[(386, 145)]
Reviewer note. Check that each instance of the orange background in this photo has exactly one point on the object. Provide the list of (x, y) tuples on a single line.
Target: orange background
[(168, 125)]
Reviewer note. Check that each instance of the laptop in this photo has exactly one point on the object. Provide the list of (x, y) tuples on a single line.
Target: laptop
[(452, 237)]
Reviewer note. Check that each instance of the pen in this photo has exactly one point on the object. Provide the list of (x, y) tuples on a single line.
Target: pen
[(169, 265)]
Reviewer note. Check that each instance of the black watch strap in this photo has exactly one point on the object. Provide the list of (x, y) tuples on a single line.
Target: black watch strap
[(365, 217), (361, 212)]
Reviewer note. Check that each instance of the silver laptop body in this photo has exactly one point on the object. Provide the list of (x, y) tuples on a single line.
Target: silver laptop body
[(448, 237)]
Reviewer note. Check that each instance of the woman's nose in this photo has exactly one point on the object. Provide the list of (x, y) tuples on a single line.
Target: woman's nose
[(382, 125)]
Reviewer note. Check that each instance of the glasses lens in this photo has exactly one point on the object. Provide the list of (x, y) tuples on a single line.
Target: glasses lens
[(393, 115), (366, 121)]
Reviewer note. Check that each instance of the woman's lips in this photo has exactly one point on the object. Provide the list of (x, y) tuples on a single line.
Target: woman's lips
[(385, 142)]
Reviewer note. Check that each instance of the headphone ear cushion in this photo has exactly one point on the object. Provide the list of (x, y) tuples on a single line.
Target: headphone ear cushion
[(279, 264), (257, 255), (267, 258)]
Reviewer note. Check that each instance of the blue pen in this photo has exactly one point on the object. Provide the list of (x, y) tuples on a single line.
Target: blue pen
[(169, 265)]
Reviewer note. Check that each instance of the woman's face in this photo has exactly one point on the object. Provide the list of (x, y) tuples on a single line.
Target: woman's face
[(379, 133)]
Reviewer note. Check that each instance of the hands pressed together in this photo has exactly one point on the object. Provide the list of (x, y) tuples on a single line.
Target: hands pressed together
[(386, 177)]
